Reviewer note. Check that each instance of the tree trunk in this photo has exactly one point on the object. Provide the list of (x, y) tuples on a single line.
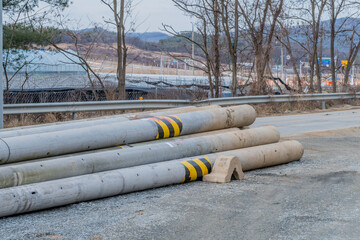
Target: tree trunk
[(318, 64), (211, 85), (216, 48), (121, 65), (293, 62), (346, 77), (318, 67), (233, 49), (296, 72), (7, 93), (353, 52), (332, 54), (312, 72), (260, 86), (234, 81), (318, 74)]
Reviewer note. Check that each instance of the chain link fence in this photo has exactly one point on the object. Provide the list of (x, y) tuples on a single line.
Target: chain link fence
[(62, 86), (83, 95)]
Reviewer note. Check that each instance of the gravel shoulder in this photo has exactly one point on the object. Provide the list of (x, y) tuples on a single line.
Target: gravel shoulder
[(314, 198)]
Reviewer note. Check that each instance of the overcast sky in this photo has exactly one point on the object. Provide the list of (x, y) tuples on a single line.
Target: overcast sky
[(150, 14)]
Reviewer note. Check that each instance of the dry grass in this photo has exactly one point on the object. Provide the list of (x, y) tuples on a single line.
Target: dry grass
[(270, 109), (17, 120), (274, 109)]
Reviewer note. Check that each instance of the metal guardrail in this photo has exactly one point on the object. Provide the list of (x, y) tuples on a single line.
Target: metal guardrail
[(278, 98), (92, 106), (161, 104)]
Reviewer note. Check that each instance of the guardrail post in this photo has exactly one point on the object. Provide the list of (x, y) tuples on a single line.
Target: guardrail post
[(74, 115), (323, 106)]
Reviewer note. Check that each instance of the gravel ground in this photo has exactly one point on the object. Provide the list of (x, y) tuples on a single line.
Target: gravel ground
[(314, 198)]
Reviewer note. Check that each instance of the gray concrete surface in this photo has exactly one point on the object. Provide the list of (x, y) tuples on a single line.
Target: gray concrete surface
[(314, 198), (304, 123)]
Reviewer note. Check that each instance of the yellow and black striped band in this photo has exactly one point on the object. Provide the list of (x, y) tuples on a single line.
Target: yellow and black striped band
[(169, 126), (195, 169)]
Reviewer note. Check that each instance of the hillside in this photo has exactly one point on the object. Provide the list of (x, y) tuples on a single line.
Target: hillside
[(150, 44), (153, 37)]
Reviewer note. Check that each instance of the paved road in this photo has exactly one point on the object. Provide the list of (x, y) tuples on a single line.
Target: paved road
[(305, 123)]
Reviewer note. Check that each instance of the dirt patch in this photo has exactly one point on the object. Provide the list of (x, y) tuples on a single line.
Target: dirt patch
[(296, 108), (344, 132)]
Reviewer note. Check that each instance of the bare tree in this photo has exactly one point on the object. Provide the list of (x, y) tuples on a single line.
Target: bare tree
[(230, 23), (316, 13), (310, 13), (354, 47), (23, 30), (81, 57), (208, 26), (285, 38), (215, 20), (319, 58), (121, 10), (336, 8), (259, 20)]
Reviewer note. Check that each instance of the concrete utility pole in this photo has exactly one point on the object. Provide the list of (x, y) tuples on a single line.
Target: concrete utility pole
[(15, 149), (1, 71), (61, 126), (60, 192), (70, 166)]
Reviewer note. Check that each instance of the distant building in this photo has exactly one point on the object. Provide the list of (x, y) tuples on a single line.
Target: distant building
[(51, 76), (42, 61), (39, 69)]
